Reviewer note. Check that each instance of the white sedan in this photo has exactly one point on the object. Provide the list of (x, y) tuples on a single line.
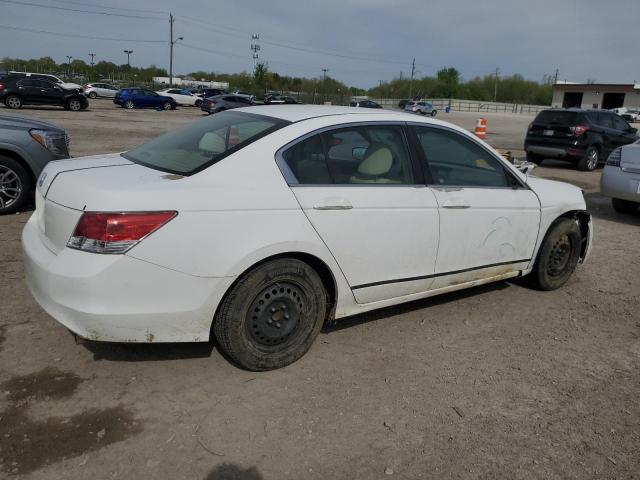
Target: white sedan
[(181, 96), (256, 228)]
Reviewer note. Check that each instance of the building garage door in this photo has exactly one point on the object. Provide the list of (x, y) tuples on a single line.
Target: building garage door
[(612, 100), (572, 100)]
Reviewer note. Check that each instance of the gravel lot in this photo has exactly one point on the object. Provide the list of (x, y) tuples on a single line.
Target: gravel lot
[(495, 382)]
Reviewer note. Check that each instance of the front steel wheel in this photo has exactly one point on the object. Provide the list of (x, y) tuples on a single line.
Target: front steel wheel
[(272, 315), (558, 255)]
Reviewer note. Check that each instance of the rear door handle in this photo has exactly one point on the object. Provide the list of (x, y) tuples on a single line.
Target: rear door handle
[(333, 203)]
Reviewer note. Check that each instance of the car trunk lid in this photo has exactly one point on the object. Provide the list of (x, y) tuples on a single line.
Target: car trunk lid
[(555, 124), (630, 161), (68, 188)]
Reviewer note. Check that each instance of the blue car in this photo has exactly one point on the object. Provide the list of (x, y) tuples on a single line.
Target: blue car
[(141, 97)]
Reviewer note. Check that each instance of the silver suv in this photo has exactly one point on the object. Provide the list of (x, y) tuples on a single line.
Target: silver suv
[(26, 146), (423, 108)]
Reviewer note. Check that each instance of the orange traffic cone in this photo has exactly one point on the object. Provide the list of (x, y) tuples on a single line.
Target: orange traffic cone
[(481, 128)]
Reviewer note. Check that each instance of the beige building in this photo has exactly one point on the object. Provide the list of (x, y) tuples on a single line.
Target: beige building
[(596, 95)]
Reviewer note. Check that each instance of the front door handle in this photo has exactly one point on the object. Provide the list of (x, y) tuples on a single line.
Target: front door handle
[(456, 203), (333, 203)]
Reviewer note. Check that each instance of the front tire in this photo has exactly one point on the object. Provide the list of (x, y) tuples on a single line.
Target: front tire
[(434, 113), (74, 105), (272, 315), (129, 105), (15, 185), (558, 255), (166, 106), (624, 206), (589, 161), (198, 103), (13, 101)]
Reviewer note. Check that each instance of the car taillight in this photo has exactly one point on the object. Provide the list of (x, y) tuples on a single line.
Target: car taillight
[(115, 232), (615, 157), (578, 130), (1, 87)]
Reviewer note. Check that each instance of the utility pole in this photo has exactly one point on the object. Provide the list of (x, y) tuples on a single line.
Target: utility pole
[(128, 52), (68, 65), (401, 75), (255, 48), (555, 77), (172, 42), (92, 55), (413, 72), (324, 84), (495, 86)]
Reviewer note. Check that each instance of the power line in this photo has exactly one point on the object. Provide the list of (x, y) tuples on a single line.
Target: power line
[(74, 35), (105, 7), (77, 10)]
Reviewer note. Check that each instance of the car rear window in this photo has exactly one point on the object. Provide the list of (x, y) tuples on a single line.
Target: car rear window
[(557, 117), (203, 143)]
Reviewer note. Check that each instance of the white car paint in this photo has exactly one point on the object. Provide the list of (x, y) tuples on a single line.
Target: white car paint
[(382, 245), (181, 99)]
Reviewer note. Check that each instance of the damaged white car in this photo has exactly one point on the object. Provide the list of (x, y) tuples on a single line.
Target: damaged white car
[(258, 227)]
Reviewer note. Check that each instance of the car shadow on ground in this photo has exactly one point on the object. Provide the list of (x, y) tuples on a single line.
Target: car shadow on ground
[(230, 471), (424, 303), (151, 352)]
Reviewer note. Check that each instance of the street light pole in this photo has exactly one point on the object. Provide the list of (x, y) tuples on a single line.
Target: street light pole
[(128, 52)]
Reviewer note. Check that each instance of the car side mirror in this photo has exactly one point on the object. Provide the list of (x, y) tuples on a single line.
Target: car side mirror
[(632, 130), (357, 153)]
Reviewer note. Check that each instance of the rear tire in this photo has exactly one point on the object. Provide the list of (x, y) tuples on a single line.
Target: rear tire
[(589, 161), (434, 113), (198, 103), (624, 206), (533, 158), (13, 101), (15, 186), (272, 315), (92, 95), (558, 255)]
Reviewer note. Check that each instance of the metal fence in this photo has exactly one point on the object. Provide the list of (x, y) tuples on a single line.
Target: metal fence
[(458, 105)]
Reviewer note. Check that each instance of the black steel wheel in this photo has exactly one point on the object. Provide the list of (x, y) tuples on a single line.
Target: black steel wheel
[(272, 315), (558, 255)]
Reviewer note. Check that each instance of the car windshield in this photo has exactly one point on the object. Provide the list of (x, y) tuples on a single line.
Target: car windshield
[(203, 143)]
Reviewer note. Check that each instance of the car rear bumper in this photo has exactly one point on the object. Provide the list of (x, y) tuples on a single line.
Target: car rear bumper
[(555, 152), (616, 183), (118, 298)]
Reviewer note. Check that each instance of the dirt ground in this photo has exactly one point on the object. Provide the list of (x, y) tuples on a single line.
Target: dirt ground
[(500, 381)]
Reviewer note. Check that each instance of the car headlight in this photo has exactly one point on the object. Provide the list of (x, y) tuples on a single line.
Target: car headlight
[(615, 157), (56, 142)]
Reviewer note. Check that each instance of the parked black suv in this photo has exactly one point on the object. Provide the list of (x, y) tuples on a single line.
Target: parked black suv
[(19, 90), (584, 137)]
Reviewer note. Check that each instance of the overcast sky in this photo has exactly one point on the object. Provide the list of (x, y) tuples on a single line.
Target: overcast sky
[(584, 39)]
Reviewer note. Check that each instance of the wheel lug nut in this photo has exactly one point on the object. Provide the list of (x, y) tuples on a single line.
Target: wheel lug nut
[(286, 316), (277, 325), (273, 309)]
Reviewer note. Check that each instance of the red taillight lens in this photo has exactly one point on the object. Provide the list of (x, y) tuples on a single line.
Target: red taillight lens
[(115, 232), (578, 130), (1, 87)]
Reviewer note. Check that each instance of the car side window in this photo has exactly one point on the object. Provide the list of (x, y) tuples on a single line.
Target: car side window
[(619, 123), (27, 83), (454, 160), (368, 155)]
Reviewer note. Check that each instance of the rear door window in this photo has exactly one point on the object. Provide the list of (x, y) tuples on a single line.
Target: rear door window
[(364, 155)]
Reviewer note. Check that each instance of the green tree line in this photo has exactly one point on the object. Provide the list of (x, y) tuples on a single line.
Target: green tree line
[(447, 83)]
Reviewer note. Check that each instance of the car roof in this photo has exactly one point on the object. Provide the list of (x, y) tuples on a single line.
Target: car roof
[(296, 113)]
